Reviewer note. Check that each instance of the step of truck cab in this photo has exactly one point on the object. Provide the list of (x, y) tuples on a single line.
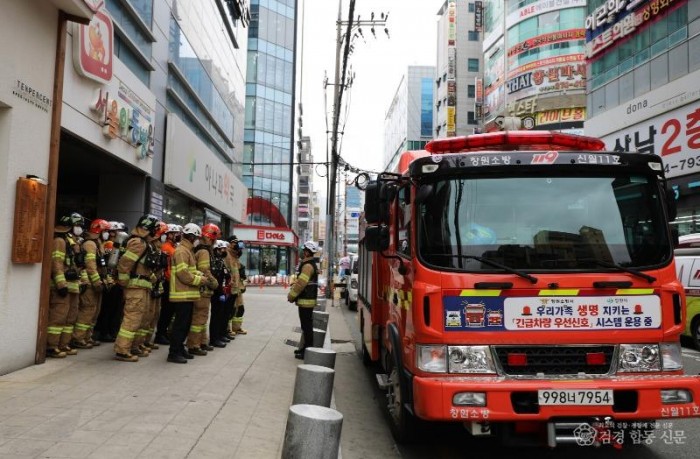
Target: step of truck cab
[(383, 381)]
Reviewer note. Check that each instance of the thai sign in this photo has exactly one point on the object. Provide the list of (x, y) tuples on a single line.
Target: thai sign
[(548, 79)]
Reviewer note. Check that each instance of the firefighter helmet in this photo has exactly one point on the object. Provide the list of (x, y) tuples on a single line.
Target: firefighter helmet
[(173, 228), (220, 244), (73, 219), (211, 231), (311, 246), (99, 225), (192, 229), (149, 223), (162, 229)]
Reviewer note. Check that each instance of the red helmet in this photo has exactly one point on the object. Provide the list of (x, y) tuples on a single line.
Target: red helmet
[(211, 231), (161, 229), (98, 226)]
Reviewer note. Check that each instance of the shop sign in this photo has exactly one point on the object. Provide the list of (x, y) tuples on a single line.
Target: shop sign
[(451, 24), (451, 93), (567, 59), (451, 62), (546, 39), (549, 79), (675, 136), (450, 119), (126, 117), (260, 235), (193, 168), (522, 106), (479, 90), (30, 95), (561, 115), (626, 24), (541, 7), (478, 15), (93, 48)]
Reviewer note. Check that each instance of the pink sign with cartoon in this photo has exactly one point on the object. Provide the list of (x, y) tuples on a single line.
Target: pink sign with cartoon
[(94, 48)]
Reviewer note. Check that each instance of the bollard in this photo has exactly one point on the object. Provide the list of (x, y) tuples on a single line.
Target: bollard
[(320, 304), (312, 432), (313, 385), (321, 320), (319, 337), (319, 356)]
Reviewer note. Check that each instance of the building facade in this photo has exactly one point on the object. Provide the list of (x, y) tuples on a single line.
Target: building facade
[(304, 195), (542, 57), (644, 68), (408, 124), (459, 68), (269, 139)]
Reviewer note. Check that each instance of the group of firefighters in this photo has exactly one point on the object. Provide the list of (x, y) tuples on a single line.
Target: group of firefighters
[(159, 284)]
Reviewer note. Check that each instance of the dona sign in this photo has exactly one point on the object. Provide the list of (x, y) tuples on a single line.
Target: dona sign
[(266, 235)]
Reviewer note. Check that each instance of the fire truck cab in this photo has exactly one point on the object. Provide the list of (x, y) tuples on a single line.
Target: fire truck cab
[(523, 283)]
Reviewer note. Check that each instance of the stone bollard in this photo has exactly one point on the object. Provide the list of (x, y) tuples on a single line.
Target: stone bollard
[(320, 304), (312, 432), (313, 385), (321, 319), (319, 337), (319, 356)]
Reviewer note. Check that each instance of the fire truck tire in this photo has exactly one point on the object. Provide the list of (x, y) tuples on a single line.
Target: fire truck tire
[(695, 332), (403, 423)]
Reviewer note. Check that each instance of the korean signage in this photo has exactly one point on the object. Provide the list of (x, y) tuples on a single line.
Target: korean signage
[(198, 172), (548, 79), (451, 62), (560, 116), (566, 59), (617, 19), (93, 48), (489, 313), (479, 90), (451, 23), (266, 235), (451, 121), (123, 115), (546, 39), (451, 93), (675, 136), (478, 15), (540, 7)]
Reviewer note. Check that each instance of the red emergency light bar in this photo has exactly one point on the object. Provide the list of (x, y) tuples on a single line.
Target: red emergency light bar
[(515, 140)]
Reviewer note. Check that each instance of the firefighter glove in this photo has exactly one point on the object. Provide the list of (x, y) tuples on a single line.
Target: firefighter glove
[(63, 291)]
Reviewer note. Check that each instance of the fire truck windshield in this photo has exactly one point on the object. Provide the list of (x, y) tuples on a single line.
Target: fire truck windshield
[(572, 222)]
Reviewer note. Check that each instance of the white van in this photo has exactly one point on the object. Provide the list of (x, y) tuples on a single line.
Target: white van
[(687, 256), (352, 285)]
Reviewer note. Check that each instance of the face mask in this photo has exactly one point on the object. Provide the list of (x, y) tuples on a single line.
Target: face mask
[(195, 243), (163, 238), (178, 238), (77, 230), (105, 235)]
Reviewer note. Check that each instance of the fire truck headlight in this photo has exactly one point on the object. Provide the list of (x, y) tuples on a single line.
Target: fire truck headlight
[(671, 356), (470, 359), (431, 358), (639, 358)]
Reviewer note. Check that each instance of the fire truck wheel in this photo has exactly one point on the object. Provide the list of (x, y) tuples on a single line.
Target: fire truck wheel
[(403, 423), (695, 332)]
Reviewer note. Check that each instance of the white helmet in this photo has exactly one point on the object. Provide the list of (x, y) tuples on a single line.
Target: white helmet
[(193, 229), (311, 246), (173, 228), (116, 226), (220, 244)]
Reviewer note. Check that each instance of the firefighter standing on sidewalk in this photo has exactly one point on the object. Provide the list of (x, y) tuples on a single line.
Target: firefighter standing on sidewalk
[(238, 305), (173, 234), (218, 323), (136, 267), (304, 292), (197, 340), (97, 280), (144, 336), (184, 291), (64, 285)]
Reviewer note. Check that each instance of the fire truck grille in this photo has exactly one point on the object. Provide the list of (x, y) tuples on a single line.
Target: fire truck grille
[(554, 360)]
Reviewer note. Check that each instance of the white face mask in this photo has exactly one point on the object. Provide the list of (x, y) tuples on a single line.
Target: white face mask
[(77, 230), (196, 243), (105, 235), (163, 237)]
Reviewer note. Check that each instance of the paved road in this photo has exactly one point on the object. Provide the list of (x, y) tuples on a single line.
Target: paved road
[(450, 441)]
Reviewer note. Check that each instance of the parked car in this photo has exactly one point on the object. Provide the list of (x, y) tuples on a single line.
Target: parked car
[(352, 285), (688, 271)]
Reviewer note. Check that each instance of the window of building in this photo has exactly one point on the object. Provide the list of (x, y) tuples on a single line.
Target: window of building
[(473, 35), (426, 107), (471, 119), (471, 91), (471, 7), (473, 65)]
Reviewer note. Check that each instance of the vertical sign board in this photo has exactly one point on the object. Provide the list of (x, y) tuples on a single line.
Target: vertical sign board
[(478, 16), (28, 229)]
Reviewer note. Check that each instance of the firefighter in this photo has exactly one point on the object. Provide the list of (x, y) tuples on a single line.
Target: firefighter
[(234, 249), (172, 235), (197, 340), (97, 281), (304, 292), (64, 285), (144, 339), (112, 308), (219, 320), (136, 274), (185, 281)]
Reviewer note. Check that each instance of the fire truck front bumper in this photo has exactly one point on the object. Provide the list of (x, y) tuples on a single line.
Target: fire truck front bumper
[(641, 397)]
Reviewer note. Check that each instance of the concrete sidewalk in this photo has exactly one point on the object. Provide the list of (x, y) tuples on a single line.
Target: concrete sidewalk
[(232, 403)]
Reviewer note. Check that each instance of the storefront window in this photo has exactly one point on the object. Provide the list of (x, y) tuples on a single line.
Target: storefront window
[(181, 210)]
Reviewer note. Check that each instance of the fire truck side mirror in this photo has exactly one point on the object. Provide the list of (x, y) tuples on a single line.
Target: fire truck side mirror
[(377, 238), (372, 202), (387, 194)]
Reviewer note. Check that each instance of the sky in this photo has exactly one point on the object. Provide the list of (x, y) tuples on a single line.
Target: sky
[(378, 65)]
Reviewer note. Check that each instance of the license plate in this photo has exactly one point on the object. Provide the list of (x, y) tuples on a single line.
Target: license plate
[(575, 397)]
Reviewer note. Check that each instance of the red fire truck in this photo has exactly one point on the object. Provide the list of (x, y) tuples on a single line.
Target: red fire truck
[(523, 283)]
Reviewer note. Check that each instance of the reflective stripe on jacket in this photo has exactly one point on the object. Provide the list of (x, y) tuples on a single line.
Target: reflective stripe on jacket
[(305, 288), (184, 277)]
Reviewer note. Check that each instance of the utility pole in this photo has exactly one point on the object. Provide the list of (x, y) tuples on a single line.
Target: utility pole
[(337, 103)]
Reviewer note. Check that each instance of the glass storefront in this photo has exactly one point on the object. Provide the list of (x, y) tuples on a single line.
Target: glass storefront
[(266, 260), (180, 210)]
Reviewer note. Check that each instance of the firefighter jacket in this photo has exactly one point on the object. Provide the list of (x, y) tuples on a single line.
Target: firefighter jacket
[(159, 271), (168, 248), (137, 264), (234, 265), (305, 289), (64, 270), (184, 277), (222, 273), (203, 256), (95, 264)]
